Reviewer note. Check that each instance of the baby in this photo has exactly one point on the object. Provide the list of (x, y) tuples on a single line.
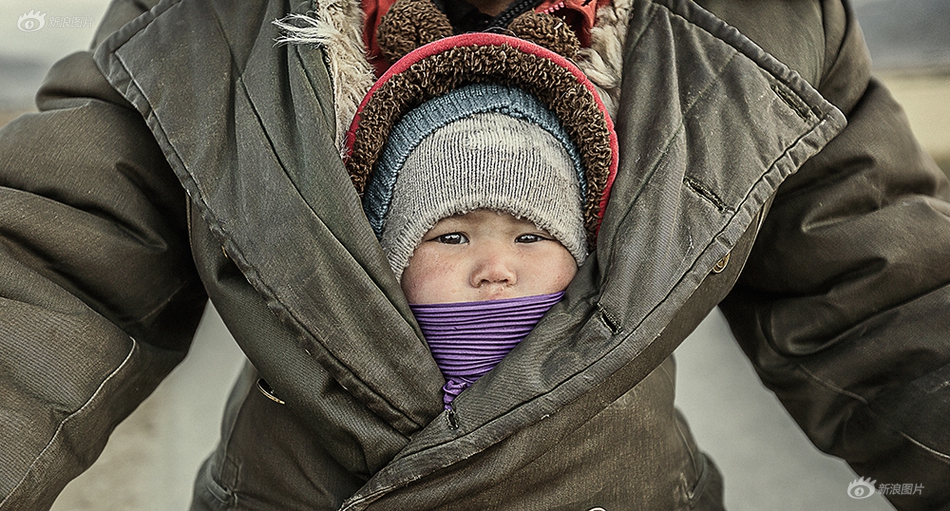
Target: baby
[(477, 284), (478, 201)]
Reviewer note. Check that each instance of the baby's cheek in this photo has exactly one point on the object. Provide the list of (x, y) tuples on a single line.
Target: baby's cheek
[(566, 268), (429, 278), (415, 282), (552, 273), (564, 278)]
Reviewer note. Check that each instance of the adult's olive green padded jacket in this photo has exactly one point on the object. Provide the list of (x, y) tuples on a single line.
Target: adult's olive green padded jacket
[(189, 157)]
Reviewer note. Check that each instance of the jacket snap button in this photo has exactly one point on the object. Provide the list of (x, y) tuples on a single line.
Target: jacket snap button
[(265, 389), (721, 264)]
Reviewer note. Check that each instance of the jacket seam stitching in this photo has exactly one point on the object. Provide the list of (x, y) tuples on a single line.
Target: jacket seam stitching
[(864, 402), (218, 228), (59, 429), (271, 295), (918, 443), (706, 193), (670, 140)]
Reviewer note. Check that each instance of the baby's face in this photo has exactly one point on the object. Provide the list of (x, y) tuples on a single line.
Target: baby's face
[(486, 255)]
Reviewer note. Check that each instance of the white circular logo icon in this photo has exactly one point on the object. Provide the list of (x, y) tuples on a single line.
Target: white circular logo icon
[(31, 21), (861, 488)]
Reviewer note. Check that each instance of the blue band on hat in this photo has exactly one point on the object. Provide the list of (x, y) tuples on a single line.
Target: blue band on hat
[(458, 104)]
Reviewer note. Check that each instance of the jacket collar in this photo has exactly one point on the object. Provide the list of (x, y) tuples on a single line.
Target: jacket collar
[(253, 149)]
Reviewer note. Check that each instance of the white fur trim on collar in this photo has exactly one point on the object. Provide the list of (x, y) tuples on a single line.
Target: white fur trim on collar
[(337, 27)]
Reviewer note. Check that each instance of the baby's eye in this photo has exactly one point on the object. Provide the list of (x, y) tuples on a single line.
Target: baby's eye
[(529, 238), (452, 238)]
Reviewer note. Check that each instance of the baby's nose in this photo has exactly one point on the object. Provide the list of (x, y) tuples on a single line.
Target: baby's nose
[(494, 270)]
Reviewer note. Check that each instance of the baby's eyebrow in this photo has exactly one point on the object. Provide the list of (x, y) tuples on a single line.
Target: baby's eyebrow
[(446, 228)]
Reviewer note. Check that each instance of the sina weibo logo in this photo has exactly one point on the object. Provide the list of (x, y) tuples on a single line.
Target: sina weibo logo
[(31, 21), (861, 488)]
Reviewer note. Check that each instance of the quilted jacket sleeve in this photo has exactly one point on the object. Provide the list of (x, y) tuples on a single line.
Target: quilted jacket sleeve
[(98, 295), (844, 304)]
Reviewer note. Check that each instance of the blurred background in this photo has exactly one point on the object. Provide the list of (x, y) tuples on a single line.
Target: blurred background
[(767, 462)]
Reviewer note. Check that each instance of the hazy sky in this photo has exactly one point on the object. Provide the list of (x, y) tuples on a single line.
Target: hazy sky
[(907, 33), (26, 55), (49, 41)]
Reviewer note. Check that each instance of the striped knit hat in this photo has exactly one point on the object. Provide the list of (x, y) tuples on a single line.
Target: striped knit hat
[(482, 121)]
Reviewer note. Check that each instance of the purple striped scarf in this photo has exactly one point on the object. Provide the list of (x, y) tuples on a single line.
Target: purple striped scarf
[(468, 339)]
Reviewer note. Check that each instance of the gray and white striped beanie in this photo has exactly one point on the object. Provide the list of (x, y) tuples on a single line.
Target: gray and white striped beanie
[(481, 146)]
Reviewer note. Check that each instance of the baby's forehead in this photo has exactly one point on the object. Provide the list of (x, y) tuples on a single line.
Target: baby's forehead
[(487, 215)]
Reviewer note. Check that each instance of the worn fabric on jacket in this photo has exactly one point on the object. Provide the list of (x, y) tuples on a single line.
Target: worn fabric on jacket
[(195, 158)]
